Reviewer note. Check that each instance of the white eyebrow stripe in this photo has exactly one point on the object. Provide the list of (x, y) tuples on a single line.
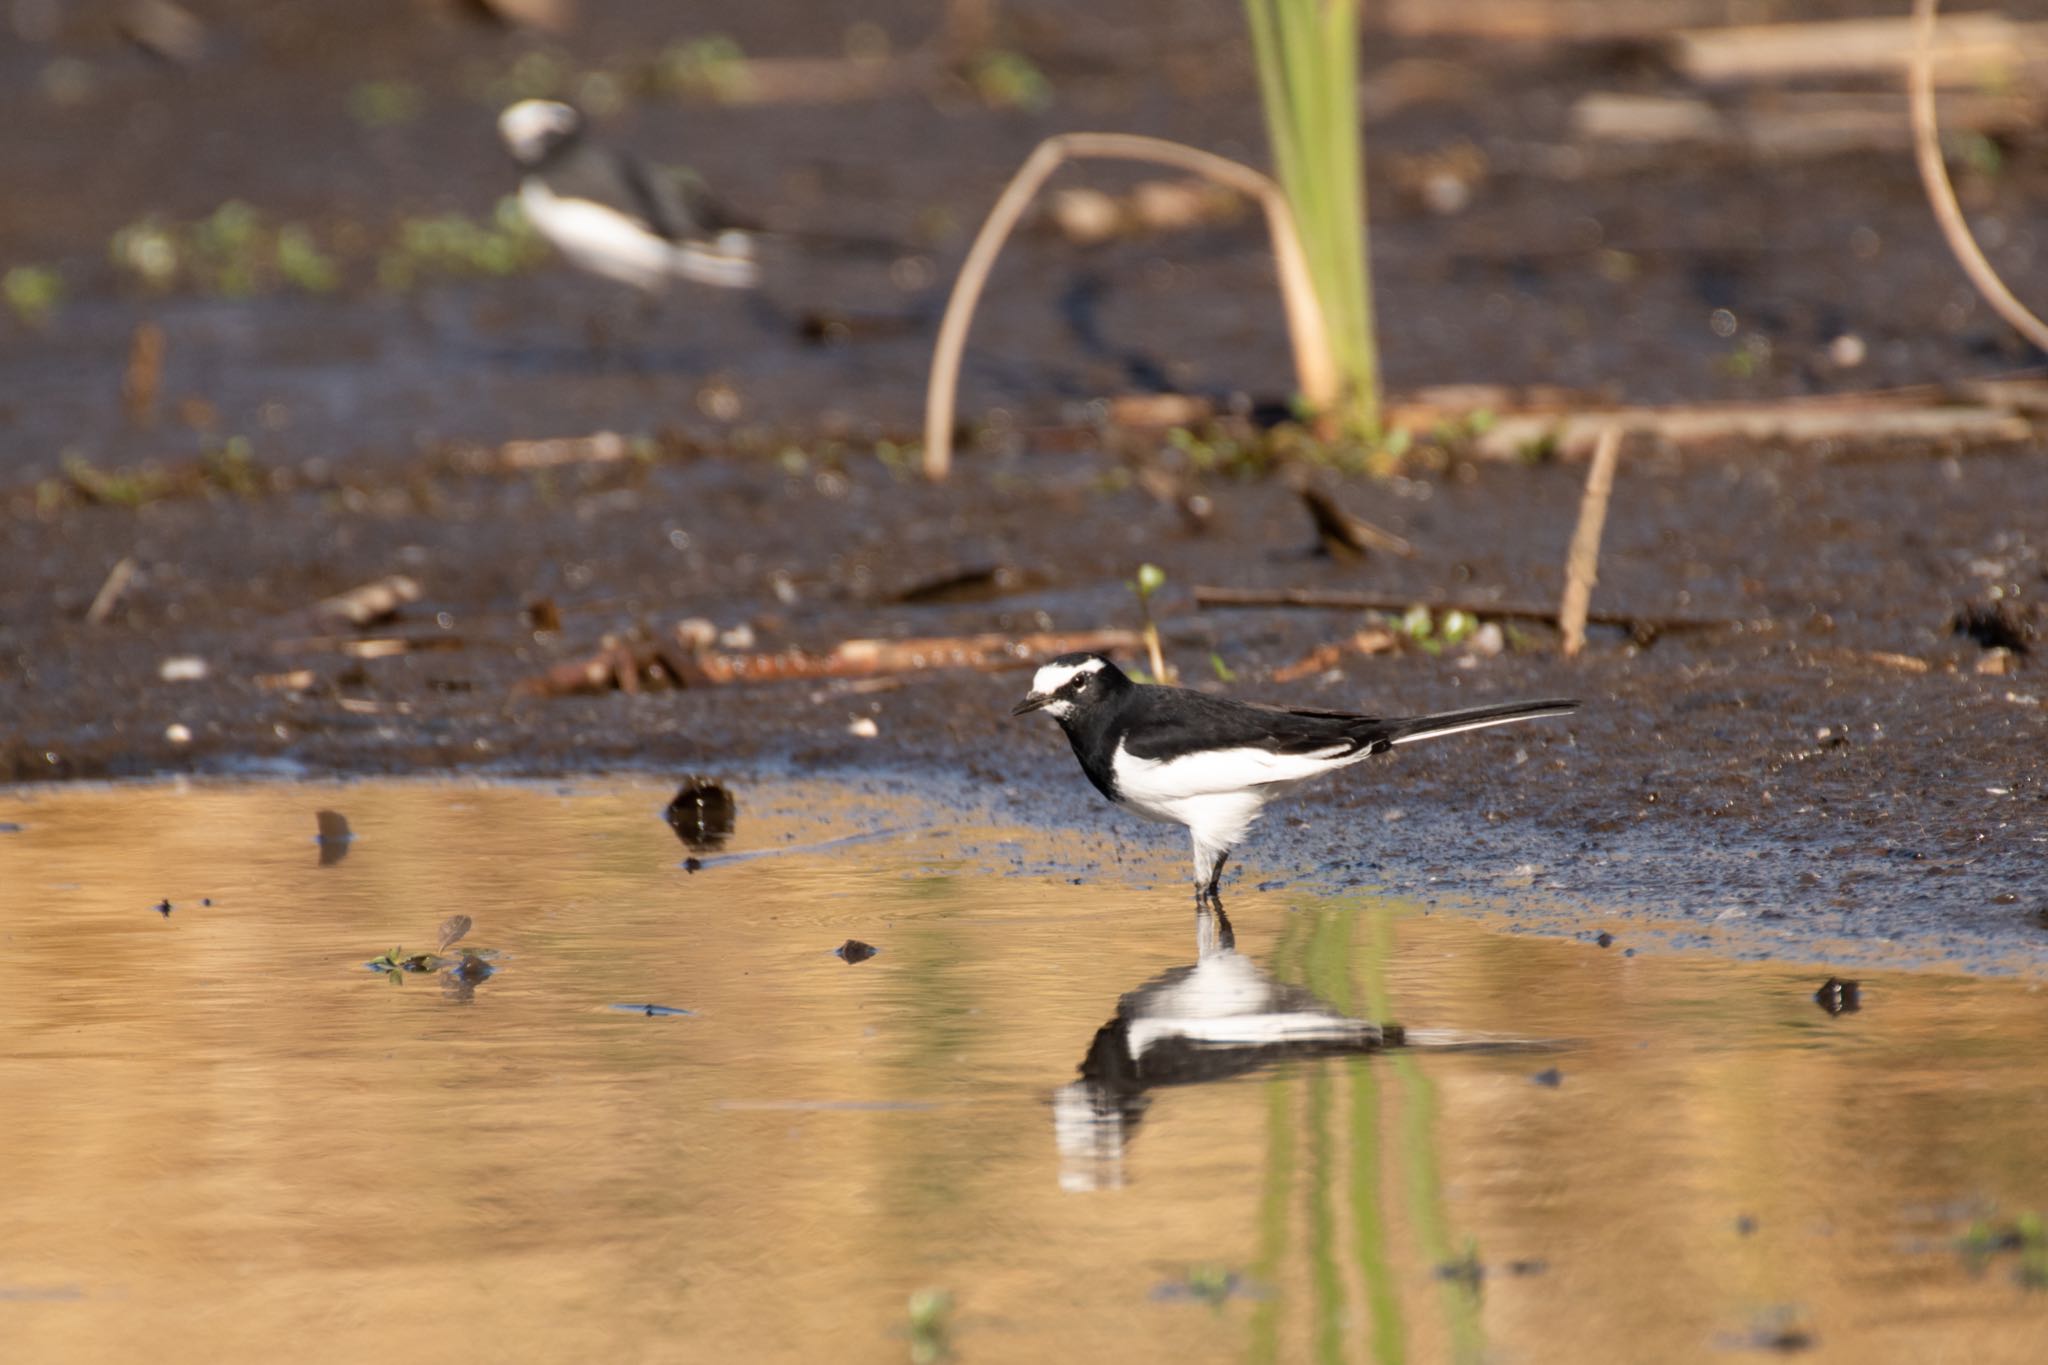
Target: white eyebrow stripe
[(1052, 677)]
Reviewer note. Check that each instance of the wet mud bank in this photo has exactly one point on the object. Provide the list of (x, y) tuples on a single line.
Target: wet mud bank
[(1828, 757), (1835, 762)]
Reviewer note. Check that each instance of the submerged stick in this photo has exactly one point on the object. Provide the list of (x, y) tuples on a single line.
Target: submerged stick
[(1582, 561), (1941, 194), (1315, 369)]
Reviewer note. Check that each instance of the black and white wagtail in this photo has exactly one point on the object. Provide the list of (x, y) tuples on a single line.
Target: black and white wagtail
[(628, 221), (1210, 763)]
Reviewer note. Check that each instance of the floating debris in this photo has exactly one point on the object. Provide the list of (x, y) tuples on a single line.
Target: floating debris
[(1208, 1284), (1604, 939), (1839, 996), (654, 1011), (1550, 1076), (9, 827), (853, 950), (703, 815), (460, 975)]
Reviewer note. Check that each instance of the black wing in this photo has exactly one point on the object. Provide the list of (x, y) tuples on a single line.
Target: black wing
[(680, 197), (1166, 722)]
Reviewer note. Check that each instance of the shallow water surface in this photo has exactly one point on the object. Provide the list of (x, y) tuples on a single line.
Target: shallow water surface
[(1103, 1129)]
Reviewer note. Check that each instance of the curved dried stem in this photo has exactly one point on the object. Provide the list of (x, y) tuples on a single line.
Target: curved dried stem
[(1942, 194), (1315, 370)]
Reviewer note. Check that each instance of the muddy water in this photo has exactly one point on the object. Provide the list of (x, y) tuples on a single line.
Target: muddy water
[(1060, 1104)]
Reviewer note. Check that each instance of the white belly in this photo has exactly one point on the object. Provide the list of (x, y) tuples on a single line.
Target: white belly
[(598, 239)]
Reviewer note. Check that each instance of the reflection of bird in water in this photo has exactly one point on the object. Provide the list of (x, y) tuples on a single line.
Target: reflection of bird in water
[(1221, 1017), (614, 216), (1184, 757)]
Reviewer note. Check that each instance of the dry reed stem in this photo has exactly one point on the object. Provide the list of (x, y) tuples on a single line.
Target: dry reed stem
[(1582, 561), (1315, 368), (1942, 194)]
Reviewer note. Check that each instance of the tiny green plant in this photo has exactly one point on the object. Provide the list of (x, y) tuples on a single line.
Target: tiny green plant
[(1009, 80), (1212, 1284), (385, 104), (930, 1332), (1151, 578), (2025, 1235), (713, 68), (32, 292)]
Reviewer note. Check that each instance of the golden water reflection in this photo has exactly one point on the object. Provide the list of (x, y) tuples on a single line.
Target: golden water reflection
[(225, 1139)]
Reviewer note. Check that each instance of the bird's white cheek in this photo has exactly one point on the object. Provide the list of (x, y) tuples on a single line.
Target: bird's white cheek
[(1059, 710)]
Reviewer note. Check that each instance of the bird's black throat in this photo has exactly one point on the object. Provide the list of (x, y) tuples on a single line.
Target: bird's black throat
[(1095, 731)]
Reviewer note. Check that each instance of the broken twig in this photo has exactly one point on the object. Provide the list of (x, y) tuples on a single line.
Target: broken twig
[(1370, 641), (371, 602), (109, 596), (1582, 561), (1343, 536), (1641, 625), (633, 667)]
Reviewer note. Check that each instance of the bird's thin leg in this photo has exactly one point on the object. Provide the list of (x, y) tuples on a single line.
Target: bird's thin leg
[(1213, 892)]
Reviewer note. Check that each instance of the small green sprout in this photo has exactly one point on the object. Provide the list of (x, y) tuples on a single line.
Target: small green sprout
[(33, 292), (385, 104), (1009, 80), (1151, 578), (930, 1334)]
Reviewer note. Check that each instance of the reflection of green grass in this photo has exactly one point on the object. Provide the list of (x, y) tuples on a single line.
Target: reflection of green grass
[(1418, 1153), (1273, 1200), (1324, 949)]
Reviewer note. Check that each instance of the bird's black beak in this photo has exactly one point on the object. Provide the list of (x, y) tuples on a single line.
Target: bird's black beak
[(1031, 703)]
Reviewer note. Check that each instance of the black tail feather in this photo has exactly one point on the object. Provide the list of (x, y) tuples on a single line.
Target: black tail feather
[(1473, 718)]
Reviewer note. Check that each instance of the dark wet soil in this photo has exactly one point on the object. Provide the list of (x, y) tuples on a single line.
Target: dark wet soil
[(1783, 766)]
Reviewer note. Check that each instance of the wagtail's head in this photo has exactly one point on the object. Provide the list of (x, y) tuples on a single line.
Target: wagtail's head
[(1071, 684), (535, 130)]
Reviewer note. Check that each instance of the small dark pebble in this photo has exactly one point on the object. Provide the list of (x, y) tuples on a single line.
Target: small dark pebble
[(853, 950), (1604, 939), (163, 907), (692, 864), (1532, 1266), (9, 827), (206, 900), (1744, 1225), (1837, 996), (1628, 952), (1549, 1076)]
